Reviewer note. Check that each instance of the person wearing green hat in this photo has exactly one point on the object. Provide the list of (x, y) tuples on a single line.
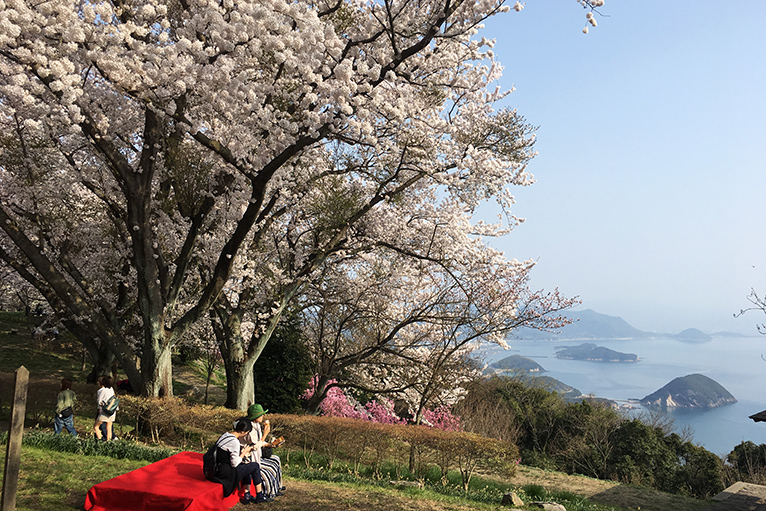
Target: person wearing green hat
[(271, 465)]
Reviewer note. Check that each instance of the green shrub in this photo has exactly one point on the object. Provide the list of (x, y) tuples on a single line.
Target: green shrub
[(120, 449)]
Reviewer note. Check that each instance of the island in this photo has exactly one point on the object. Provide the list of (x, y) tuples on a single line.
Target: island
[(516, 363), (693, 335), (551, 385), (593, 353), (690, 391)]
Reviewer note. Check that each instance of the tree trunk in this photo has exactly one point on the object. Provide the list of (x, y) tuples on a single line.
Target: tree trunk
[(240, 389), (157, 374), (101, 364), (320, 392), (207, 386), (239, 361)]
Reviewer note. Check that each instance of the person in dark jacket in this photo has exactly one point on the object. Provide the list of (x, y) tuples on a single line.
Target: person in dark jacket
[(231, 471)]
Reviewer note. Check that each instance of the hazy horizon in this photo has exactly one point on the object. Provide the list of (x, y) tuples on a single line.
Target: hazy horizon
[(651, 155)]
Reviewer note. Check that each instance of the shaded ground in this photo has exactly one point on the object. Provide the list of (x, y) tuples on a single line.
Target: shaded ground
[(320, 496), (646, 499), (187, 383)]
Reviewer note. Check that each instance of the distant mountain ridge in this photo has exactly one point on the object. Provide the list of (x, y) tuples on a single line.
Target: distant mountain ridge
[(591, 325)]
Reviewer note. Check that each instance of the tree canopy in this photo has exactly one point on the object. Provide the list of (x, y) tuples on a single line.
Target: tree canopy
[(161, 158)]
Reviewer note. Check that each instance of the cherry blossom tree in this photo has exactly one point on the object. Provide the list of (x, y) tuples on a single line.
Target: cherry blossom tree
[(152, 147), (406, 321)]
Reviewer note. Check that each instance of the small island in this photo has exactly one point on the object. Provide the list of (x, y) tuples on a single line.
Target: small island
[(693, 335), (691, 391), (551, 385), (593, 353), (516, 363)]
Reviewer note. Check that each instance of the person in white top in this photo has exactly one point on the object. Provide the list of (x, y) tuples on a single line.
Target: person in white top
[(103, 394), (232, 470)]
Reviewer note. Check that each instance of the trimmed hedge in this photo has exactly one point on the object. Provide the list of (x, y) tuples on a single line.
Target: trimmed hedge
[(418, 447)]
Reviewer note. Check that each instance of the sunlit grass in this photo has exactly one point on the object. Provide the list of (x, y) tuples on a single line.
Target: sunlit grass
[(58, 481)]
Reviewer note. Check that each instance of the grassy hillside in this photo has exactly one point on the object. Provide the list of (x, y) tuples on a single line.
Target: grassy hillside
[(55, 481), (52, 480)]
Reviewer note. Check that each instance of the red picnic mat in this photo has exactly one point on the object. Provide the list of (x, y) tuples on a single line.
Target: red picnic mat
[(175, 483)]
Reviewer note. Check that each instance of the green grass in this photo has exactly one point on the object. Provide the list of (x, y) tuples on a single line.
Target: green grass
[(482, 491), (44, 358), (218, 377), (58, 471), (58, 481)]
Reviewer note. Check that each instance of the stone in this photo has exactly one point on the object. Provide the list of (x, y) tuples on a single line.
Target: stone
[(511, 499), (548, 506)]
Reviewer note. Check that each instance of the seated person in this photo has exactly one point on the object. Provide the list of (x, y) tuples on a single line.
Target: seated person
[(271, 467), (231, 470)]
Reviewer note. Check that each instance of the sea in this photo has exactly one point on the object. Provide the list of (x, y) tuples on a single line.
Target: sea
[(737, 363)]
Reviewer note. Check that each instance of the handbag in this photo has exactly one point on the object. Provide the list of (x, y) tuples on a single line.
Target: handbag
[(66, 412)]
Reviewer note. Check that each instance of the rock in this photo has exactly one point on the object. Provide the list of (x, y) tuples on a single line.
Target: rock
[(511, 499), (548, 506)]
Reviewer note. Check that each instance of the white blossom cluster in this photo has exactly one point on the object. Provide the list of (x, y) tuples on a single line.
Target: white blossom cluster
[(592, 5), (161, 158)]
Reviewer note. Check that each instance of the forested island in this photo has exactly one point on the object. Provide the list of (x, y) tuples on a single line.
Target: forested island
[(593, 353), (690, 391), (693, 335), (516, 363)]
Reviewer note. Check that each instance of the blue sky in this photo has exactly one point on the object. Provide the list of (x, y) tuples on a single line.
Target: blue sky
[(651, 170)]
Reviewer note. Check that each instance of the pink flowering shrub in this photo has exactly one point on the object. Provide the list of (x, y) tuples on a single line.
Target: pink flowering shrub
[(442, 418), (383, 412), (338, 404)]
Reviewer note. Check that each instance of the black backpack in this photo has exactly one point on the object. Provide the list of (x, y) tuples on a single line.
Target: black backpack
[(210, 462)]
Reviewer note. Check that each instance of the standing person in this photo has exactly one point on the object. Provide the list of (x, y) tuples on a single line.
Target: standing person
[(103, 394), (271, 466), (64, 416), (231, 470)]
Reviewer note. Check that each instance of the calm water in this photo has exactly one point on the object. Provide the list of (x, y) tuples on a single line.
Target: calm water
[(735, 363)]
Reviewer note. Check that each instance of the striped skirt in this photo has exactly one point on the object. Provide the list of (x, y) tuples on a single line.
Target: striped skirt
[(271, 473)]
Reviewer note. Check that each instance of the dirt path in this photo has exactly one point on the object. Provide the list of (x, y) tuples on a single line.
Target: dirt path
[(194, 387)]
